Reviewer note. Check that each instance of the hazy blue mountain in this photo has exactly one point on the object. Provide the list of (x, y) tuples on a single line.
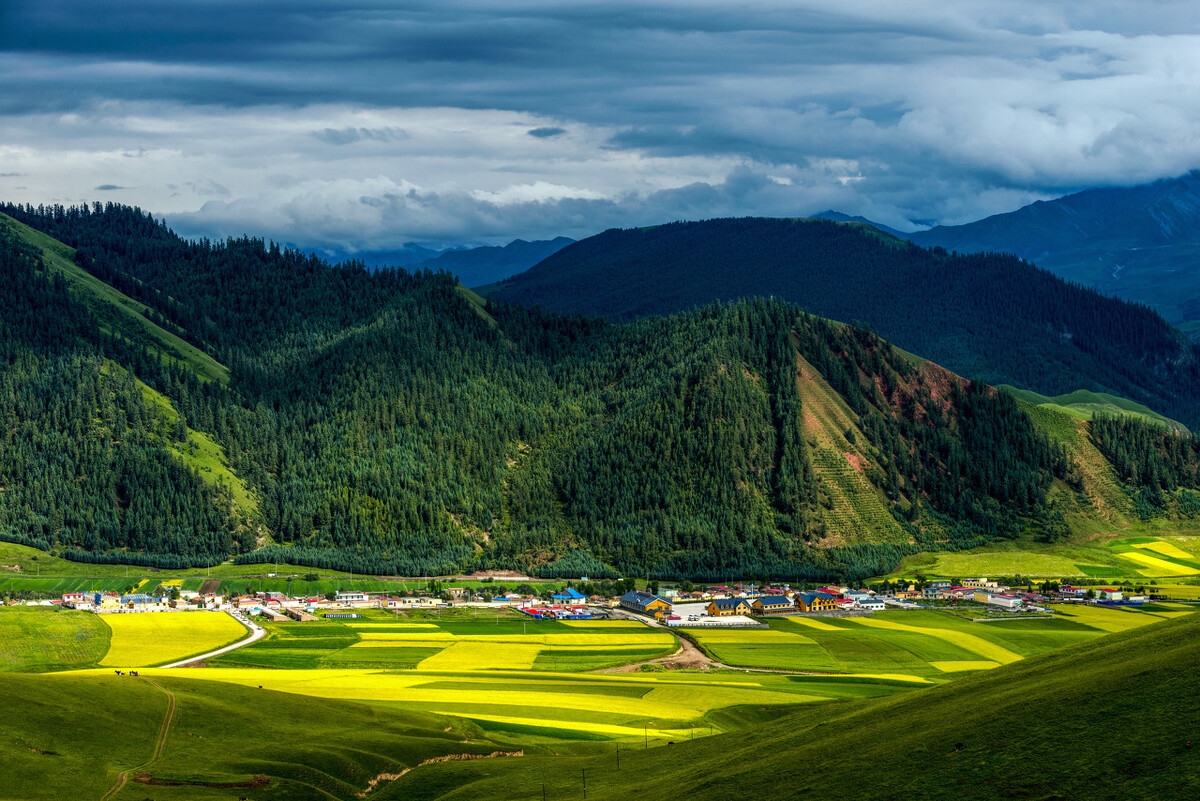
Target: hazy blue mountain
[(487, 265), (837, 216), (407, 256), (1141, 243)]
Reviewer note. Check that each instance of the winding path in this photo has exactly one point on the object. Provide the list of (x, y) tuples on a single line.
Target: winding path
[(160, 742), (256, 633)]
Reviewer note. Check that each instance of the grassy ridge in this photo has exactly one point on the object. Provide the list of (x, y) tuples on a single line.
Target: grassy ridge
[(117, 312)]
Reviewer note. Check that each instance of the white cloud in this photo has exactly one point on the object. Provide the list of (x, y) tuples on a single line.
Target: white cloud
[(327, 123)]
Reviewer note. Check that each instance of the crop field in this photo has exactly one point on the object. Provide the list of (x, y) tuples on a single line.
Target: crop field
[(454, 642), (36, 639), (586, 707), (140, 640), (916, 644)]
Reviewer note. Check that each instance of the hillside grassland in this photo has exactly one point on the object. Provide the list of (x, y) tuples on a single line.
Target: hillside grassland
[(35, 639), (346, 725), (996, 734), (140, 640)]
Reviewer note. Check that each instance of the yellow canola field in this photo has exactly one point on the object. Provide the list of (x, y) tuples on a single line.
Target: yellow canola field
[(604, 624), (969, 642), (1111, 620), (1165, 548), (665, 700), (483, 656), (1157, 567), (957, 667), (597, 640), (153, 638), (813, 623)]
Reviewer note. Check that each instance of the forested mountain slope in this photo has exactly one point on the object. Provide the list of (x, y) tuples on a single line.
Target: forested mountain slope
[(387, 422), (989, 316), (1141, 243)]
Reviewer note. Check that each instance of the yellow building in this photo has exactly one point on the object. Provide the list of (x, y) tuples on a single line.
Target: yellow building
[(727, 607), (816, 602), (769, 604)]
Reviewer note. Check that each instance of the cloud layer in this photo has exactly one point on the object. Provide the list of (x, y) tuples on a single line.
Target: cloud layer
[(354, 125)]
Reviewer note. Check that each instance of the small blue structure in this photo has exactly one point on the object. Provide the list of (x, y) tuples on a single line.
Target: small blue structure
[(569, 594)]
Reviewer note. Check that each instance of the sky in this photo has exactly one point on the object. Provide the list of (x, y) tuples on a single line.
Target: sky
[(361, 125)]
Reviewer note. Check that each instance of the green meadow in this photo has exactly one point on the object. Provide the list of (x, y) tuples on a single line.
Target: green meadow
[(920, 644)]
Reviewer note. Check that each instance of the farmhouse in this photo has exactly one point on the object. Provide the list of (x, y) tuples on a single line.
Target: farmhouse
[(772, 604), (570, 595), (727, 607), (870, 604), (645, 603), (816, 602), (996, 599), (1109, 594)]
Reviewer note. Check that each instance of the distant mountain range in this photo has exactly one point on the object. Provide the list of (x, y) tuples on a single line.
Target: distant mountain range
[(1140, 243), (473, 266), (990, 316)]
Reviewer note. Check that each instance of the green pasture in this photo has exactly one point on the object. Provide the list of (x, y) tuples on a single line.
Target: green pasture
[(36, 639), (1152, 553), (452, 639), (927, 645)]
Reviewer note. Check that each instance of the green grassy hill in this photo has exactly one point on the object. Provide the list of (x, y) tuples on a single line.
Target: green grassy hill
[(1108, 719)]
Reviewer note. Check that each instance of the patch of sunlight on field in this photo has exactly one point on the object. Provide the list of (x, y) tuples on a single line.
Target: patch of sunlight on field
[(666, 700), (358, 624), (1110, 620), (749, 636), (171, 583), (483, 656), (140, 639), (969, 642), (1164, 548), (1157, 567), (812, 623), (624, 732), (956, 667)]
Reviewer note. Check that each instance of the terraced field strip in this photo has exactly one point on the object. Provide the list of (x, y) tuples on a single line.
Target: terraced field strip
[(1164, 548), (956, 667), (1151, 566), (1107, 618), (582, 702), (969, 642)]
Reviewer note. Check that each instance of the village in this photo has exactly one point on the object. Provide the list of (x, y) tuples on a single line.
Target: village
[(711, 606)]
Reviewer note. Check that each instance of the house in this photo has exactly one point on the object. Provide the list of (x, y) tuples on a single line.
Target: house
[(980, 583), (569, 595), (934, 589), (816, 602), (298, 614), (998, 599), (772, 604), (870, 604), (644, 603), (727, 607), (1109, 594)]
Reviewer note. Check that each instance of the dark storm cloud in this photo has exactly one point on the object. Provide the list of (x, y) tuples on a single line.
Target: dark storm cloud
[(909, 110)]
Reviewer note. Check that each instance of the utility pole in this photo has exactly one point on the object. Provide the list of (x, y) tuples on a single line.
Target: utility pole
[(618, 756), (585, 784)]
